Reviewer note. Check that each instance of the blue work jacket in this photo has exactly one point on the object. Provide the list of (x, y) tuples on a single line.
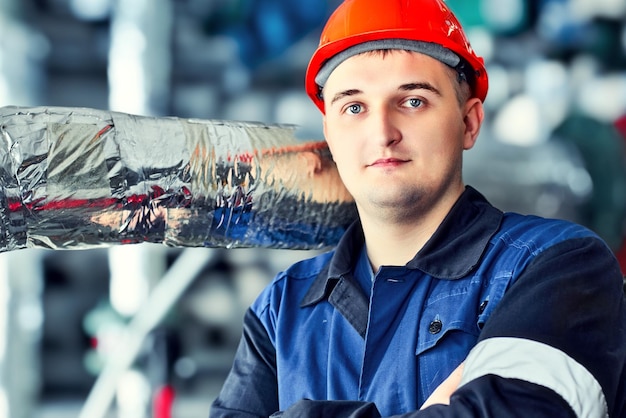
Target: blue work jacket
[(487, 288)]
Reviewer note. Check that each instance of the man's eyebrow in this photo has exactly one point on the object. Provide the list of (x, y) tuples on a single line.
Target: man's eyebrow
[(345, 93), (419, 86), (403, 87)]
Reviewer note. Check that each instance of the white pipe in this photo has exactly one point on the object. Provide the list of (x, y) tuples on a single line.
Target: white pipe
[(169, 289)]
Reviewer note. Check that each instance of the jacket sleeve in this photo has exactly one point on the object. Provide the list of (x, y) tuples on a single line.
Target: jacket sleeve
[(251, 388), (486, 397), (554, 346)]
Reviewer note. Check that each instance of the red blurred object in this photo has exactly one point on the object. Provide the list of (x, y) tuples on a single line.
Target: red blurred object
[(621, 257), (620, 124), (163, 402)]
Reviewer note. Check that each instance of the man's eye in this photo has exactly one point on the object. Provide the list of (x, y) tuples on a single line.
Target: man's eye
[(414, 102), (354, 109)]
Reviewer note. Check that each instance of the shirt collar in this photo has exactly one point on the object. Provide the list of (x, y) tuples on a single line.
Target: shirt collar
[(451, 253)]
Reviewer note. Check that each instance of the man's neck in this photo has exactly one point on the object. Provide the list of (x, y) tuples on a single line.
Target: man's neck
[(395, 243)]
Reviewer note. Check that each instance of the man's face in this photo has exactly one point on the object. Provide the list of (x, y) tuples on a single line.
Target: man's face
[(397, 132)]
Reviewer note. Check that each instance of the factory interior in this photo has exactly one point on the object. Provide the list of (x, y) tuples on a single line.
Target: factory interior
[(72, 340)]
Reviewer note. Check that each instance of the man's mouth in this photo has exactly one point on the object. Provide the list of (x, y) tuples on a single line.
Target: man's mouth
[(388, 162)]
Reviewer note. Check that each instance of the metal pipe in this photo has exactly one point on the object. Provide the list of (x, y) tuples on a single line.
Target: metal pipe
[(75, 178)]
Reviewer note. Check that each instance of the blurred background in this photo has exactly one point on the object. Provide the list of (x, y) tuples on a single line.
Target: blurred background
[(134, 331)]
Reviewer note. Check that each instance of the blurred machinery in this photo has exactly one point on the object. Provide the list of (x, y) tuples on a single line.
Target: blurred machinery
[(558, 87)]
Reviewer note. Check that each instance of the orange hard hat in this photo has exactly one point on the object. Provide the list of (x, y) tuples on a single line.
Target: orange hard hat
[(426, 26)]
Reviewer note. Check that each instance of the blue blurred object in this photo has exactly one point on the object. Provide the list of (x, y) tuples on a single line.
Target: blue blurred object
[(264, 29), (569, 32), (559, 26)]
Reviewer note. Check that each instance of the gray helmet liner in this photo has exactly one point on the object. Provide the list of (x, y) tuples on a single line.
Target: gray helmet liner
[(431, 49)]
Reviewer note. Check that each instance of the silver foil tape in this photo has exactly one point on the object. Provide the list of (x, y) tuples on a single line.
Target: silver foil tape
[(79, 178)]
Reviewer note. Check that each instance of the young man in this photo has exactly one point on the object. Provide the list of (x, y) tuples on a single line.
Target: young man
[(435, 303)]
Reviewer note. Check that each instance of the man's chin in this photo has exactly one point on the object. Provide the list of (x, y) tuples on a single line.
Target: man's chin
[(400, 205)]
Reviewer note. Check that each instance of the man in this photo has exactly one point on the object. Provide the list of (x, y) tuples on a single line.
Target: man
[(434, 303)]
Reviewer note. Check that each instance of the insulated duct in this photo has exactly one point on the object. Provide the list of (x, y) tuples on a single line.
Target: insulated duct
[(75, 178)]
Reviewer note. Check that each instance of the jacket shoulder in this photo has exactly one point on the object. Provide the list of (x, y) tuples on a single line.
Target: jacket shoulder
[(537, 233)]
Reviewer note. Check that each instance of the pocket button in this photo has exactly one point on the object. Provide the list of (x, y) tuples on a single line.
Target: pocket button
[(435, 327)]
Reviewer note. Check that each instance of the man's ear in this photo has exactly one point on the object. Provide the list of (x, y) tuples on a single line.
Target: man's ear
[(474, 114), (311, 162)]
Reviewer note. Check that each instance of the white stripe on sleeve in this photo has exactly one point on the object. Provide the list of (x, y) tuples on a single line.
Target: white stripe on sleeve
[(541, 364)]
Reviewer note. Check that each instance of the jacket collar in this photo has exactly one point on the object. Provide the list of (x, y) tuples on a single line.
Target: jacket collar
[(451, 253)]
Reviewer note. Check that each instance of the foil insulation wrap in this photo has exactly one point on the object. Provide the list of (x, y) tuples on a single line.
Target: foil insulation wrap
[(79, 178)]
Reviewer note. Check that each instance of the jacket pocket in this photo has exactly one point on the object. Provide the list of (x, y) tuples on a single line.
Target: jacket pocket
[(448, 330)]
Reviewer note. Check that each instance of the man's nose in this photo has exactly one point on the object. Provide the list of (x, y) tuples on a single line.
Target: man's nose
[(384, 127)]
